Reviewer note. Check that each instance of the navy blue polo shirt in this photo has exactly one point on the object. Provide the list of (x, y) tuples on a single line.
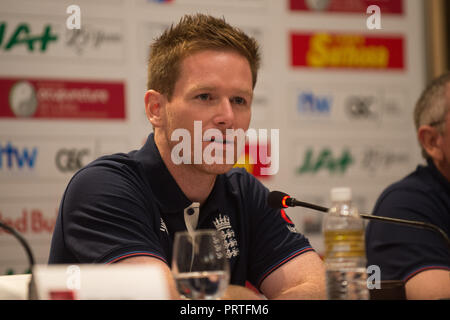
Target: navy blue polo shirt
[(127, 205), (402, 252)]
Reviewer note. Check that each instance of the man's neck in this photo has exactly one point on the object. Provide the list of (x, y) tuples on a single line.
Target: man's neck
[(195, 184)]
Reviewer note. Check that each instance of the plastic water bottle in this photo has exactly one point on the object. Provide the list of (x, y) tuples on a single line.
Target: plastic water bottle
[(345, 257)]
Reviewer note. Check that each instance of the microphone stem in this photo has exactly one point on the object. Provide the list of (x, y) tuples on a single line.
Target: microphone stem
[(291, 202), (310, 206), (416, 224), (22, 241)]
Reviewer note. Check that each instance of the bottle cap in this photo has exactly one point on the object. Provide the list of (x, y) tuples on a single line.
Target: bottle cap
[(341, 194)]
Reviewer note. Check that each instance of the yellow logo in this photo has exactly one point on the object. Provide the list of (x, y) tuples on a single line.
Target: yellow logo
[(327, 50)]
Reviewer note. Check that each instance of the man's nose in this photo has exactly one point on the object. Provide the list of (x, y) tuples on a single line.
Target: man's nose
[(225, 114)]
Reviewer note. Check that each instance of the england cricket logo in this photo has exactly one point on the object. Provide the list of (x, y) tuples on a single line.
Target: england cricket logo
[(223, 225)]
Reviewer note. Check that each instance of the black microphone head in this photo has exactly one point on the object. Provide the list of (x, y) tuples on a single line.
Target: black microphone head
[(277, 199)]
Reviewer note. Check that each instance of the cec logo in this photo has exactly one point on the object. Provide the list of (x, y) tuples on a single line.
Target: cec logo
[(70, 160), (359, 107)]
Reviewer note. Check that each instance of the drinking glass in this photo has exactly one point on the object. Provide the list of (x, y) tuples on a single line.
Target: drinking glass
[(200, 265)]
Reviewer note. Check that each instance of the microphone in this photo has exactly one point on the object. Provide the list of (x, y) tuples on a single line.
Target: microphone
[(280, 200)]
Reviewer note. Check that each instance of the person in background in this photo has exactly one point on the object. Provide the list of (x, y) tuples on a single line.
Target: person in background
[(420, 258), (126, 208)]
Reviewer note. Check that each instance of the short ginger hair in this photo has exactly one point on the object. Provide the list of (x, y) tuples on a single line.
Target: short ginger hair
[(192, 34)]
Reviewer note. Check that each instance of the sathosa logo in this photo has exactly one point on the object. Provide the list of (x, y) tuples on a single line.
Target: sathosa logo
[(344, 51)]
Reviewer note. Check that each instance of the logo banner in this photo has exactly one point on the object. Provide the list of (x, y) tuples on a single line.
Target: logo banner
[(347, 51), (61, 99), (353, 6)]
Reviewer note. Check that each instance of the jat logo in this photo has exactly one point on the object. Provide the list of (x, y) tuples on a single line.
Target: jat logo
[(325, 160), (325, 50), (23, 35), (12, 157)]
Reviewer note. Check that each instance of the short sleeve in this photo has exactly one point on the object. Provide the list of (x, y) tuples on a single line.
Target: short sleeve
[(104, 217), (274, 239), (402, 251)]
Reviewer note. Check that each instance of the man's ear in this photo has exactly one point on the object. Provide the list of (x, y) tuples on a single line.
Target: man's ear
[(154, 103), (430, 139)]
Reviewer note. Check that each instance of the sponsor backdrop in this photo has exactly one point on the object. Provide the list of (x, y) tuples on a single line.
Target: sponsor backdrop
[(340, 93)]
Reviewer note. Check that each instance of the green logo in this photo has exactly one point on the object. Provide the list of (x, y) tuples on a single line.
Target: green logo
[(325, 160), (22, 36)]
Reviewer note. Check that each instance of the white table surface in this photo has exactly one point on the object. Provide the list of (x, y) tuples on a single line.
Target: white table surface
[(14, 287)]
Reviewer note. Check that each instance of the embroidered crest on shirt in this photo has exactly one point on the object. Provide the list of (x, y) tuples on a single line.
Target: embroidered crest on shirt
[(223, 225), (163, 227)]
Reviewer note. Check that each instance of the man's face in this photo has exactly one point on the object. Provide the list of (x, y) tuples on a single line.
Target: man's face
[(445, 143), (214, 87), (441, 157)]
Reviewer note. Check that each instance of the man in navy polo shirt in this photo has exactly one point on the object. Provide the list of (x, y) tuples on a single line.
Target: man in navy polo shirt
[(126, 208), (421, 258)]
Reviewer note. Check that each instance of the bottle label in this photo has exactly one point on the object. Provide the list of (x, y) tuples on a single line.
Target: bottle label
[(344, 243)]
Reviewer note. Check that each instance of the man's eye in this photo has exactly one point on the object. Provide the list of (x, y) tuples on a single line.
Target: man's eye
[(204, 96), (239, 101)]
